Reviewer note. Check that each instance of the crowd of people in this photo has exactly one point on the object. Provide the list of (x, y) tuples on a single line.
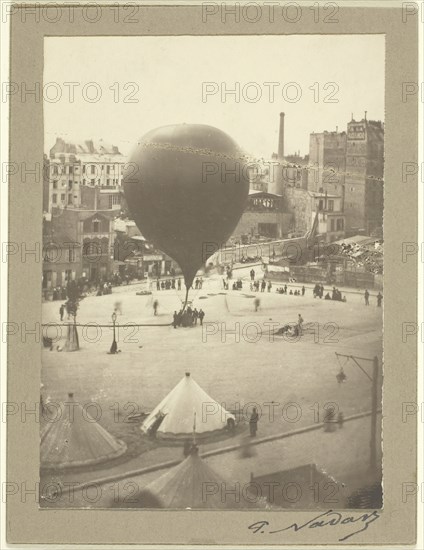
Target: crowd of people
[(296, 292), (318, 291), (335, 295), (188, 317), (167, 284), (59, 293), (257, 285), (103, 289), (175, 284)]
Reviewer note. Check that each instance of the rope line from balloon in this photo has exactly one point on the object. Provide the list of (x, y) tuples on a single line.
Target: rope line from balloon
[(107, 326)]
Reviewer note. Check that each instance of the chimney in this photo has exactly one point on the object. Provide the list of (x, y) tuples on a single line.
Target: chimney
[(365, 117), (337, 129), (281, 138)]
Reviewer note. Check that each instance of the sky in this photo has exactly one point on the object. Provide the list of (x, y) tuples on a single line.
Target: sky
[(142, 83)]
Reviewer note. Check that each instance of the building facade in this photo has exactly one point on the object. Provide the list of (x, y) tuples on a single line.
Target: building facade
[(331, 219), (364, 187), (327, 158), (61, 255), (74, 166), (78, 244), (264, 217)]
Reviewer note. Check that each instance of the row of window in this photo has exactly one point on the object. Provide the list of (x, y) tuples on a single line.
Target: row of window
[(109, 181), (330, 205), (86, 169), (70, 184), (63, 198)]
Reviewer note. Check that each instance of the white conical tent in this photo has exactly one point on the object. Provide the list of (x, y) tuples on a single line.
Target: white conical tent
[(192, 484), (74, 438), (187, 404)]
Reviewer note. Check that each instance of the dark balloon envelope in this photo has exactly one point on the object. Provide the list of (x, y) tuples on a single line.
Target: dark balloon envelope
[(186, 187)]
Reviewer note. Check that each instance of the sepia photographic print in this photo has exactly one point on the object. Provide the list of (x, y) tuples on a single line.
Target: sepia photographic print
[(212, 277), (213, 273)]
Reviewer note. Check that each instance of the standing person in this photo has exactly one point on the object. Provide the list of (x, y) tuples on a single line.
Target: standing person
[(201, 315), (285, 289), (157, 284), (195, 315), (118, 307), (263, 285), (299, 322), (257, 303), (252, 274), (379, 299), (367, 298), (303, 291), (179, 284), (155, 307), (175, 323), (253, 422), (200, 282), (61, 311), (322, 291), (269, 286)]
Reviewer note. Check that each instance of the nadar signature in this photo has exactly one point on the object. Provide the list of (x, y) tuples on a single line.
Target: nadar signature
[(330, 518)]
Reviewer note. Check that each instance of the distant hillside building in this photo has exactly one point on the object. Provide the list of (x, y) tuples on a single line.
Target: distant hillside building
[(327, 158), (364, 187)]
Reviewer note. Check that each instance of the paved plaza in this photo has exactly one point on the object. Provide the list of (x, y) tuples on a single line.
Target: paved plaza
[(236, 358)]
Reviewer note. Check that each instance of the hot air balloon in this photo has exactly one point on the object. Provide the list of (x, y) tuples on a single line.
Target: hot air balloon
[(186, 187)]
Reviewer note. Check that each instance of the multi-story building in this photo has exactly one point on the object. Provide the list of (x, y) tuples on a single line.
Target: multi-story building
[(364, 187), (331, 219), (74, 166), (304, 205), (61, 253), (327, 159), (64, 177), (78, 244)]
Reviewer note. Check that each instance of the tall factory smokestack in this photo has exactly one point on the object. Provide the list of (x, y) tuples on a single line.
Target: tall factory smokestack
[(281, 138)]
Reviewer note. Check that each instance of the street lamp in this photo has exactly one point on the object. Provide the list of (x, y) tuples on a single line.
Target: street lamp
[(114, 346), (341, 377)]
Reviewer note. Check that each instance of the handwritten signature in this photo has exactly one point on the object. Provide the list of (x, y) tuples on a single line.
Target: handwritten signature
[(327, 519)]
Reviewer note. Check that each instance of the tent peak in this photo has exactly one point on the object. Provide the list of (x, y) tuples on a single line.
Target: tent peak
[(187, 374)]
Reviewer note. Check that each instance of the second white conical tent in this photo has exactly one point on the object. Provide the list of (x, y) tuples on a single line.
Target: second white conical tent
[(187, 409)]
